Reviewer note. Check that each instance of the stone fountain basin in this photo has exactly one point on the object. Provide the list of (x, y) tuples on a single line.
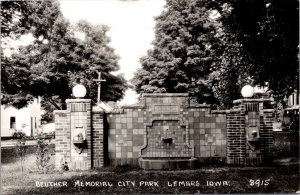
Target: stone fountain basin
[(167, 163)]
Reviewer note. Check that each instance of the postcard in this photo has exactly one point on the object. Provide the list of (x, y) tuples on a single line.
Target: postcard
[(149, 97)]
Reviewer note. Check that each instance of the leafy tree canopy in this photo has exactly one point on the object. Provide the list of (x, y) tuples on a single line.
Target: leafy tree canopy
[(261, 42), (56, 60), (182, 52), (212, 48)]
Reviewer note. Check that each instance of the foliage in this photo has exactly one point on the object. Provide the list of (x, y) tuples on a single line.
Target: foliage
[(10, 11), (95, 56), (22, 17), (260, 40), (56, 60), (279, 111), (42, 154), (212, 48), (182, 53), (47, 116), (18, 135), (21, 147)]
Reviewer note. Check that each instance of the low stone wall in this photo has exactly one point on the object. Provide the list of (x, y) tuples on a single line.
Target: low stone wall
[(168, 128)]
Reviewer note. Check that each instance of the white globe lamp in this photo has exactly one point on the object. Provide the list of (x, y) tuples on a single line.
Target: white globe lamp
[(247, 91), (79, 91)]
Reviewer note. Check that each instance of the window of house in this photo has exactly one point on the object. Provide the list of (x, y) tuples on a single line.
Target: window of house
[(13, 122)]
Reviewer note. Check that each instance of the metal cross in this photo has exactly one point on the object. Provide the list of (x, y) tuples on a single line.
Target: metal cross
[(99, 80)]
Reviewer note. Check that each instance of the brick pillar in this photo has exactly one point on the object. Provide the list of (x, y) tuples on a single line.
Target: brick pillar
[(249, 116), (236, 139), (80, 123), (266, 136), (62, 138), (97, 139), (79, 119)]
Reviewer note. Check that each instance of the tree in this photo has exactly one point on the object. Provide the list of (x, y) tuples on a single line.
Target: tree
[(23, 17), (56, 60), (221, 46), (261, 39), (95, 56), (229, 73), (182, 56), (16, 20)]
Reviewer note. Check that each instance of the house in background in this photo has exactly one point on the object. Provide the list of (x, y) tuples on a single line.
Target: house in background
[(27, 119)]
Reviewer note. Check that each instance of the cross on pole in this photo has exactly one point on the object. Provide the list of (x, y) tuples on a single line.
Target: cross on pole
[(99, 80)]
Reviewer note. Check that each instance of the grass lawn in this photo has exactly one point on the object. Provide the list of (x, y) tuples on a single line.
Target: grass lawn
[(280, 178)]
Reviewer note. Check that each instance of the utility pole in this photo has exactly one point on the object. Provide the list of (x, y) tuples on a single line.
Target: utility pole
[(99, 80)]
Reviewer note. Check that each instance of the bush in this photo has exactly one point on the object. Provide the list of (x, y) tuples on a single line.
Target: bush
[(42, 154), (18, 135)]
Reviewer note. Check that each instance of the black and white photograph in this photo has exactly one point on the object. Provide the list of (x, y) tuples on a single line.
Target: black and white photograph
[(150, 97)]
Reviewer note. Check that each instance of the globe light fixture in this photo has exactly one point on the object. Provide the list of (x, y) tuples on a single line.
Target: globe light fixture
[(79, 91), (247, 91)]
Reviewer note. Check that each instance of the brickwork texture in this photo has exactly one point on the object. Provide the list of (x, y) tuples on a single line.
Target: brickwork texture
[(249, 133), (79, 136), (138, 131), (163, 126)]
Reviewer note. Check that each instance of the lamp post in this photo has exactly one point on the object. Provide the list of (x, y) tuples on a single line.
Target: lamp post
[(99, 80)]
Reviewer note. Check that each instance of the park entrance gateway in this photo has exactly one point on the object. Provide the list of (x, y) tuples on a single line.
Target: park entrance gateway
[(163, 131)]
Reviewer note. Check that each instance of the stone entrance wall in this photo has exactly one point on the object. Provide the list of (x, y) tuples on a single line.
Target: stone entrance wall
[(137, 131), (163, 126)]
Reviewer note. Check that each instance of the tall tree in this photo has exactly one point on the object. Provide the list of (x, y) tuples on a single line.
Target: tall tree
[(23, 17), (222, 45), (264, 34), (182, 52), (95, 56), (56, 60), (229, 71)]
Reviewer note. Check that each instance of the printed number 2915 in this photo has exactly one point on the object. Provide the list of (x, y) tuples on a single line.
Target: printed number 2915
[(259, 182)]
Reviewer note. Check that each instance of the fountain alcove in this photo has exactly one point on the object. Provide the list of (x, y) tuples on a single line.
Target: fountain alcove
[(167, 145)]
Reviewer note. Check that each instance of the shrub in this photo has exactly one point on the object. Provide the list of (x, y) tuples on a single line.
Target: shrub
[(18, 135), (21, 146), (42, 154)]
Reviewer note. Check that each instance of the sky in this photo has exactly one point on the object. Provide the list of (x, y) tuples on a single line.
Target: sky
[(131, 25)]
